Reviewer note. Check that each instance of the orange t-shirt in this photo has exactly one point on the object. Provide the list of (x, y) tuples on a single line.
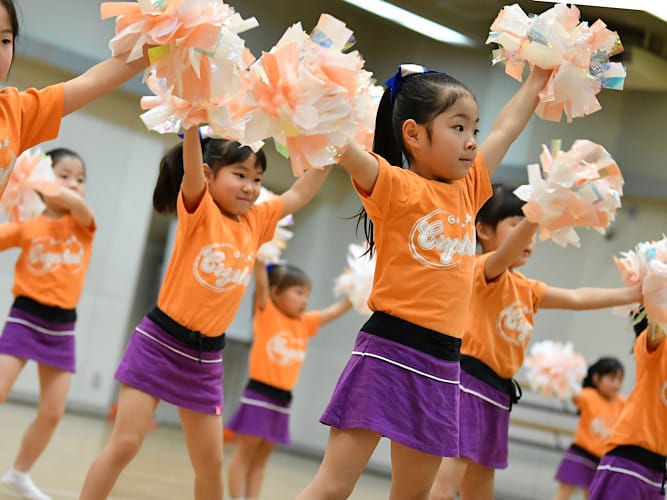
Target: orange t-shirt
[(27, 118), (279, 345), (212, 262), (643, 421), (597, 419), (424, 234), (54, 259), (500, 318)]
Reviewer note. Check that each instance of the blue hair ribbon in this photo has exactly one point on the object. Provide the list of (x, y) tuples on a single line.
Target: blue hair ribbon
[(395, 82)]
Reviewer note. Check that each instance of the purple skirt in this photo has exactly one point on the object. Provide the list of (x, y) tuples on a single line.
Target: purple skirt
[(260, 415), (27, 336), (619, 478), (577, 468), (401, 393), (484, 423), (160, 365)]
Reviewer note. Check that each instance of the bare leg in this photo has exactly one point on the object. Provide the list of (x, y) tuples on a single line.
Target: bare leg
[(246, 469), (412, 472), (133, 421), (54, 385), (478, 482), (345, 458), (256, 476), (203, 436), (448, 479), (565, 491), (10, 367)]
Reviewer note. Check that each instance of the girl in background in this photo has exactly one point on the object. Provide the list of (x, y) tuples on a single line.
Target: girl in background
[(634, 462), (599, 407), (48, 280), (175, 352), (282, 328), (499, 323), (33, 116), (402, 378)]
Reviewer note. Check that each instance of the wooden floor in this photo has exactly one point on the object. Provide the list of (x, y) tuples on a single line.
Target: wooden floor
[(160, 471)]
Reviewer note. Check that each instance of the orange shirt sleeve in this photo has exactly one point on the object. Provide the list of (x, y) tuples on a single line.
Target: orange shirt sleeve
[(389, 189), (41, 113), (478, 181), (10, 235), (312, 322), (264, 218)]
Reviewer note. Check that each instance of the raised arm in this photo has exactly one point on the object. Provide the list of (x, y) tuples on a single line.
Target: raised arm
[(581, 299), (194, 182), (71, 202), (303, 190), (361, 166), (510, 249), (513, 118), (99, 80), (334, 311), (262, 291)]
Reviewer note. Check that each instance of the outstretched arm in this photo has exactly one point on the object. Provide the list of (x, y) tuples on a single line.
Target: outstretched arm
[(581, 299), (513, 118), (361, 166), (99, 80), (334, 311), (68, 200), (194, 182), (510, 249), (303, 190), (262, 290)]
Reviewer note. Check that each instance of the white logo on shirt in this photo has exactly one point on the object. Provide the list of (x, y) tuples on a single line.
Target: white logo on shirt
[(221, 267), (280, 352), (512, 324), (432, 248), (663, 393), (599, 427), (46, 255)]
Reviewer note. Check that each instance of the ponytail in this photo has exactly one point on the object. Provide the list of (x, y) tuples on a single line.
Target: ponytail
[(168, 185)]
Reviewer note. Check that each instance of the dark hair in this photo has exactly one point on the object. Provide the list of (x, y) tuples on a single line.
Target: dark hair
[(502, 205), (284, 276), (13, 20), (421, 97), (603, 366), (217, 153), (58, 154), (639, 321)]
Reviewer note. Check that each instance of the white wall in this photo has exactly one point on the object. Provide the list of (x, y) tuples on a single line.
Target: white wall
[(123, 163)]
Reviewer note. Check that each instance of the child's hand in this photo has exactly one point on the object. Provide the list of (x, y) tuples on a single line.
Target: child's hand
[(540, 75)]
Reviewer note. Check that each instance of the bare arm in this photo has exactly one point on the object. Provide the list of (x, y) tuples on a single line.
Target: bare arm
[(334, 311), (581, 299), (512, 119), (510, 249), (361, 166), (303, 190), (99, 80), (73, 203), (262, 291), (194, 181)]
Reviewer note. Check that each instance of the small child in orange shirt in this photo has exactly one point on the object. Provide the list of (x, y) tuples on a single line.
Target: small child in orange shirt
[(281, 328), (50, 271), (599, 407)]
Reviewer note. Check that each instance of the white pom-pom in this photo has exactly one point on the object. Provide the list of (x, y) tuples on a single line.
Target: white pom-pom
[(554, 369), (356, 282)]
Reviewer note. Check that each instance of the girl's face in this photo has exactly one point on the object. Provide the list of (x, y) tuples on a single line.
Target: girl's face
[(6, 43), (235, 187), (609, 384), (491, 239), (70, 173), (449, 152), (291, 301)]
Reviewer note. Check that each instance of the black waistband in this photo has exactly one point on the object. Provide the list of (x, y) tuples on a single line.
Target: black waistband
[(280, 395), (408, 334), (586, 453), (481, 371), (54, 314), (640, 455), (195, 340)]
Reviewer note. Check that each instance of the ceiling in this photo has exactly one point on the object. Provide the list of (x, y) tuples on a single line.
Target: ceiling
[(473, 18)]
